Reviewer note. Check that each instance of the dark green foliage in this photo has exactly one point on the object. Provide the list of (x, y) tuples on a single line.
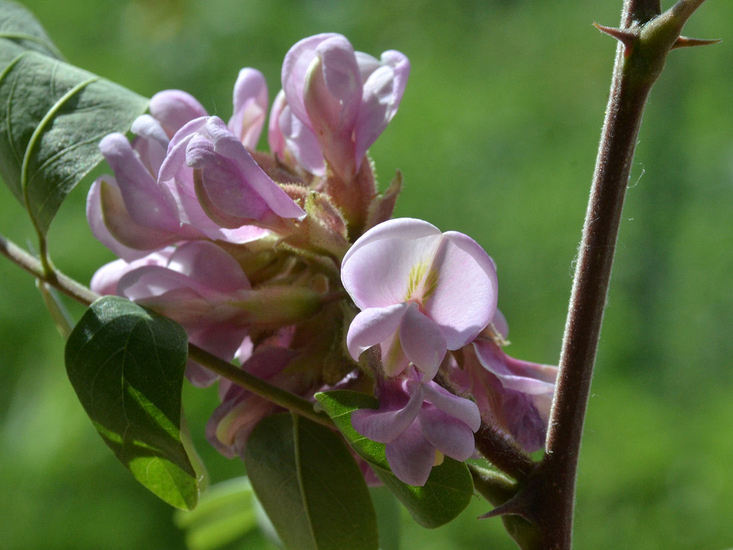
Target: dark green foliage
[(126, 365), (310, 486), (52, 116)]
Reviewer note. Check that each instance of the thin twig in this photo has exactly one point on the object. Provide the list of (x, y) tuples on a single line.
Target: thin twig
[(84, 295)]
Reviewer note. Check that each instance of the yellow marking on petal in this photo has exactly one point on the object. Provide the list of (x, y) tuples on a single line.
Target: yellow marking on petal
[(430, 284), (422, 282), (414, 278), (439, 457)]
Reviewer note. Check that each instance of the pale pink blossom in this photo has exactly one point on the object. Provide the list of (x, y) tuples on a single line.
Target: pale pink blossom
[(346, 98), (421, 292)]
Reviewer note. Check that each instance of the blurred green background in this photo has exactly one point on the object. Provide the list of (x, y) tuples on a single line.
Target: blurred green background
[(496, 137)]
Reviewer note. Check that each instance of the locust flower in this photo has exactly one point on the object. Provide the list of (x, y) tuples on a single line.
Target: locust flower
[(421, 292), (346, 98), (419, 422)]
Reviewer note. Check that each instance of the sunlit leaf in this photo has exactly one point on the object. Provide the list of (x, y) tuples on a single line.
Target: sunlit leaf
[(448, 489), (310, 486), (52, 117), (20, 30), (126, 365)]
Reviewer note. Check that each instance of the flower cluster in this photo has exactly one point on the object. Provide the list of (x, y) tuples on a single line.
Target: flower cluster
[(289, 263)]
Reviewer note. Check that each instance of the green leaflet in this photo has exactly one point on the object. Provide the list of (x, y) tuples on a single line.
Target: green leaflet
[(52, 116), (19, 31), (126, 365), (309, 485), (448, 489)]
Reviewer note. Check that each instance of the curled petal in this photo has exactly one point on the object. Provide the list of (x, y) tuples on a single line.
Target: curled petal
[(222, 191), (114, 224), (411, 456), (95, 217), (174, 108), (422, 341), (332, 97), (237, 186), (301, 143), (295, 67), (208, 264), (446, 433), (106, 278), (148, 204), (250, 107), (373, 326), (151, 142), (383, 89), (515, 374), (387, 425), (275, 138), (454, 406)]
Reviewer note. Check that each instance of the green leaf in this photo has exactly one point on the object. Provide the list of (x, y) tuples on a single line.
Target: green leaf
[(309, 485), (20, 30), (225, 513), (52, 117), (126, 365), (389, 519), (446, 493)]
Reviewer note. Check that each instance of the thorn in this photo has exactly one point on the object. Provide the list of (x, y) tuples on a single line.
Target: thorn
[(627, 38), (508, 508), (686, 42)]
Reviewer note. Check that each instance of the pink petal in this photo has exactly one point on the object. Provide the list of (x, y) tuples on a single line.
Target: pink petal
[(275, 138), (301, 143), (175, 159), (332, 97), (174, 108), (385, 426), (373, 326), (457, 407), (210, 265), (224, 194), (376, 269), (514, 374), (422, 341), (449, 435), (95, 217), (383, 90), (464, 300), (250, 107), (411, 456), (217, 150), (151, 143), (119, 224), (148, 204), (295, 67)]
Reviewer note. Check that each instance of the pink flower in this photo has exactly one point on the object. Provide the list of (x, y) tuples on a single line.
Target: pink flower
[(418, 421), (421, 292), (231, 187), (292, 141), (511, 394), (346, 98), (137, 210), (241, 410)]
